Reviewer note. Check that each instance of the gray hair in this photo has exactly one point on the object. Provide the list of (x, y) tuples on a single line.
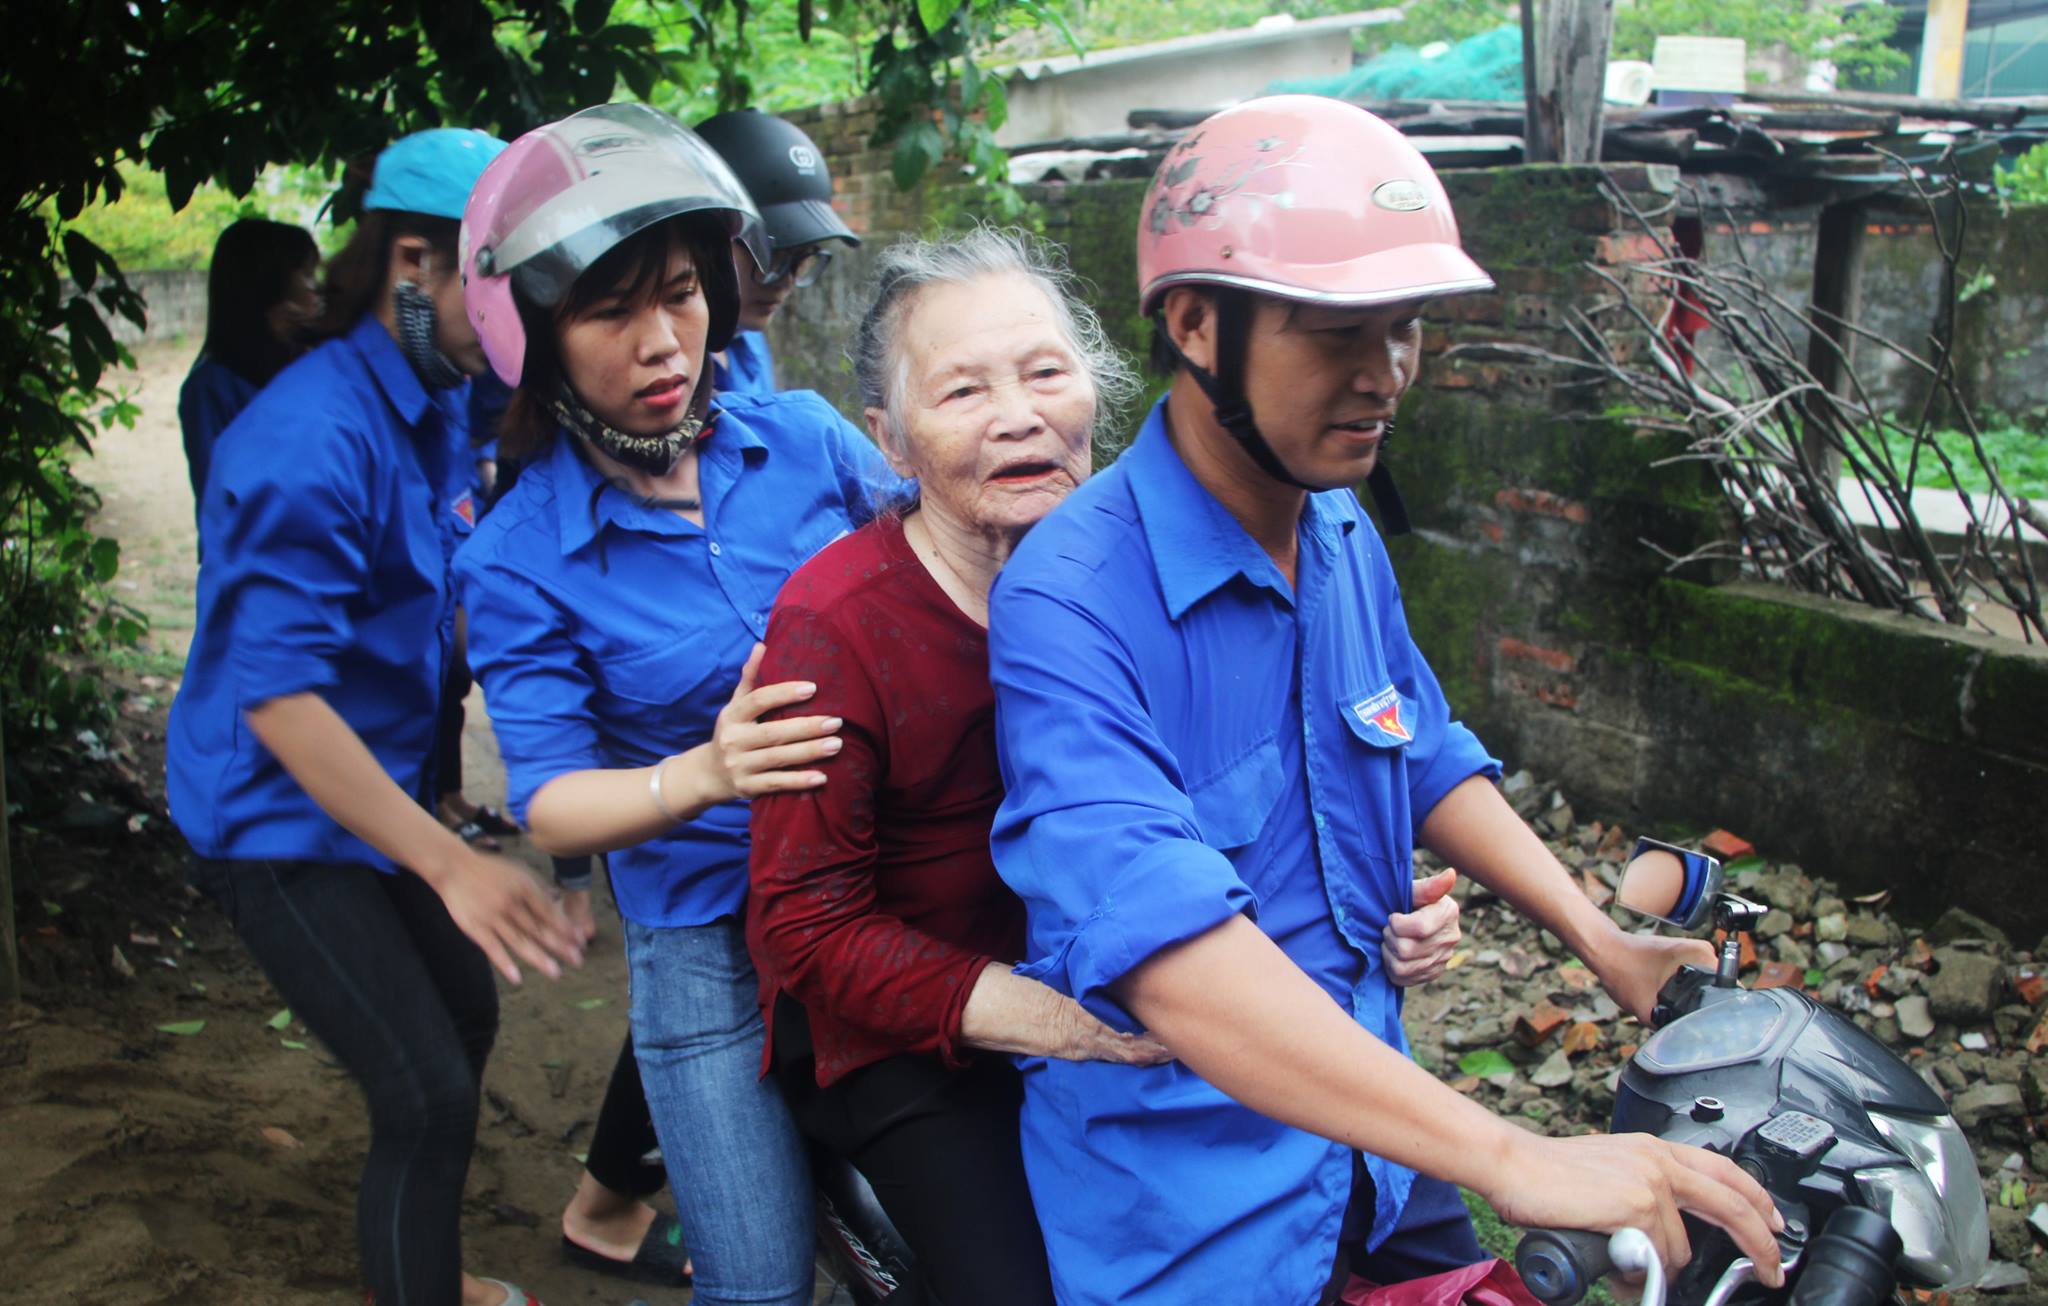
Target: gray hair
[(910, 266)]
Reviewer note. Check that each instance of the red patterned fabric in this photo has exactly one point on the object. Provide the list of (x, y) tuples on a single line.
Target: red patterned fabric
[(874, 901)]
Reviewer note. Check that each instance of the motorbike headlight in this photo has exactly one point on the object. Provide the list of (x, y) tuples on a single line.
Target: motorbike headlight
[(1935, 1202)]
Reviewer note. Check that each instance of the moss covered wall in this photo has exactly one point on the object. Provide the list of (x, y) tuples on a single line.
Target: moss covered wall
[(1878, 750)]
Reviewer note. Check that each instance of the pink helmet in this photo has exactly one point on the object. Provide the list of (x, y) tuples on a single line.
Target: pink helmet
[(1304, 198), (563, 195)]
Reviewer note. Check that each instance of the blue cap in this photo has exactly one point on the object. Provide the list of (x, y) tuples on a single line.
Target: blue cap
[(431, 172)]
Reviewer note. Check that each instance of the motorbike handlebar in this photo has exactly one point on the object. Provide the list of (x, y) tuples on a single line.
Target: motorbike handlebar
[(1559, 1265), (1851, 1263)]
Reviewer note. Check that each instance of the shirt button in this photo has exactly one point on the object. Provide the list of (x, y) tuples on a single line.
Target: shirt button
[(714, 548)]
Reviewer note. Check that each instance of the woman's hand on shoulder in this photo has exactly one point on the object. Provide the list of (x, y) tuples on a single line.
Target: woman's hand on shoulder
[(748, 757)]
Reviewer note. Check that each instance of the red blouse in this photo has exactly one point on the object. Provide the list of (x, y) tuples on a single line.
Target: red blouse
[(874, 901)]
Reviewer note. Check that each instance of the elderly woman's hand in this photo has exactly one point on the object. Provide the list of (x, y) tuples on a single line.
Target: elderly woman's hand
[(1009, 1013), (1417, 945)]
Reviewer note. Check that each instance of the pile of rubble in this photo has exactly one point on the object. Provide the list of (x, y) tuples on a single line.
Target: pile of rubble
[(1520, 1025)]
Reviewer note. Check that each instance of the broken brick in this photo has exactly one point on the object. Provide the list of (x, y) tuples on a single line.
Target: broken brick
[(1465, 1084), (1578, 979), (2032, 986), (1539, 1023), (1596, 888), (1727, 846), (1582, 1037), (1779, 975), (1870, 981)]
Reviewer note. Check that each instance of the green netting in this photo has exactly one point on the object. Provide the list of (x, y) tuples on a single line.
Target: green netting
[(1483, 67)]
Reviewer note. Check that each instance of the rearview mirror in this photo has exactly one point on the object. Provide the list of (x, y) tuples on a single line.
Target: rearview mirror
[(1670, 884)]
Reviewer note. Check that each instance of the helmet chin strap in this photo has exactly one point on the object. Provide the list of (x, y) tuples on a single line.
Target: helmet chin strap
[(1225, 391)]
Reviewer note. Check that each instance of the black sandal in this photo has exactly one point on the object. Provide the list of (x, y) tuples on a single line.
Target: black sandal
[(661, 1258), (494, 821)]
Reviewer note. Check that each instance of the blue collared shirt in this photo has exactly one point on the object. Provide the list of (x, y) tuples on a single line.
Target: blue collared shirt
[(324, 523), (1185, 736), (608, 634), (748, 367), (212, 396)]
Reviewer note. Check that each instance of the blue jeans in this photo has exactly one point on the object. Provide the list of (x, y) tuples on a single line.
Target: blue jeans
[(735, 1163)]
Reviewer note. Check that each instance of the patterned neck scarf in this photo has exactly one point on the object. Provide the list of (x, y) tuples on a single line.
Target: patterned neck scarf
[(656, 455), (414, 310)]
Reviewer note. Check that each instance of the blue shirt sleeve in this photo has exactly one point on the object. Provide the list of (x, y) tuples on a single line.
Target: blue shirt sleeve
[(1096, 832), (292, 543), (534, 680), (210, 398)]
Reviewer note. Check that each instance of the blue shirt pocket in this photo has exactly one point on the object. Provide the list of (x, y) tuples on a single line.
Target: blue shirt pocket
[(1233, 804)]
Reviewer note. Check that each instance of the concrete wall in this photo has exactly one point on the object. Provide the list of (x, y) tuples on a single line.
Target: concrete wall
[(2001, 329), (1878, 750), (177, 306)]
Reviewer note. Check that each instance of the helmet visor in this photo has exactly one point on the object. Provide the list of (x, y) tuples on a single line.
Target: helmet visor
[(609, 173)]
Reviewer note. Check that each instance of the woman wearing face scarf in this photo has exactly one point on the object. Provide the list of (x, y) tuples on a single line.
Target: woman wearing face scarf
[(299, 742), (615, 597)]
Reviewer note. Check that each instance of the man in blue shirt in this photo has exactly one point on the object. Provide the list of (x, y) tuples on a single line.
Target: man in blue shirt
[(1220, 747), (786, 176)]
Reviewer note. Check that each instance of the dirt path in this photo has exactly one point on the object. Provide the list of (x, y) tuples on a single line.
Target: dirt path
[(219, 1167)]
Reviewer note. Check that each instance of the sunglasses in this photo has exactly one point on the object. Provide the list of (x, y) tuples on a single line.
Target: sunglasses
[(802, 266)]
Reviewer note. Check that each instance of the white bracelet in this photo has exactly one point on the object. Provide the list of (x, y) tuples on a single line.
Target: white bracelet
[(654, 791)]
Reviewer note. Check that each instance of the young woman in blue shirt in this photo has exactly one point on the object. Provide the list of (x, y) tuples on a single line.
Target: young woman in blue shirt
[(262, 293), (615, 598), (298, 750)]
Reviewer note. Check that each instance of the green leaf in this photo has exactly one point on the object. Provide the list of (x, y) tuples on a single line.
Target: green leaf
[(83, 258), (590, 1004), (281, 1019), (1815, 978), (1742, 866), (917, 149), (591, 15), (197, 987), (182, 1028), (1485, 1064), (293, 1044), (106, 559), (554, 1063), (935, 13)]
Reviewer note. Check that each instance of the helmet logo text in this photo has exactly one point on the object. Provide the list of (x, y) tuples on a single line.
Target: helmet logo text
[(1400, 195)]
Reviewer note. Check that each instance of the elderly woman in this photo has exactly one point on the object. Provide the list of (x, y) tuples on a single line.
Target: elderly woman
[(883, 938)]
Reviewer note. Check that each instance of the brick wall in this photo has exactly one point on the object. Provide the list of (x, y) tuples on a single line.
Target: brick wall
[(1878, 750)]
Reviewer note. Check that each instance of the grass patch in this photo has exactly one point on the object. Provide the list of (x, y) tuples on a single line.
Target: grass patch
[(2020, 455), (146, 662)]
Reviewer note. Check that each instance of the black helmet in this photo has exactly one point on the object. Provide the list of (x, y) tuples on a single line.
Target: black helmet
[(784, 172)]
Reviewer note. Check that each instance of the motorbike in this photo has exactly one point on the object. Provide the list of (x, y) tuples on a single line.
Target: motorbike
[(1874, 1178)]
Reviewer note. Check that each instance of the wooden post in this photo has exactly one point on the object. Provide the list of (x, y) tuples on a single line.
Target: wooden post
[(1566, 95), (10, 963), (1941, 48), (1837, 291)]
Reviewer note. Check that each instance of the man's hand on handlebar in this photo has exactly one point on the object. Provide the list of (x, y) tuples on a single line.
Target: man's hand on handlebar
[(1634, 967), (1607, 1182)]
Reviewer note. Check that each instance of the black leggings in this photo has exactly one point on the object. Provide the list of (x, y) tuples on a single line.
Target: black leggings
[(375, 967), (940, 1149), (624, 1134)]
